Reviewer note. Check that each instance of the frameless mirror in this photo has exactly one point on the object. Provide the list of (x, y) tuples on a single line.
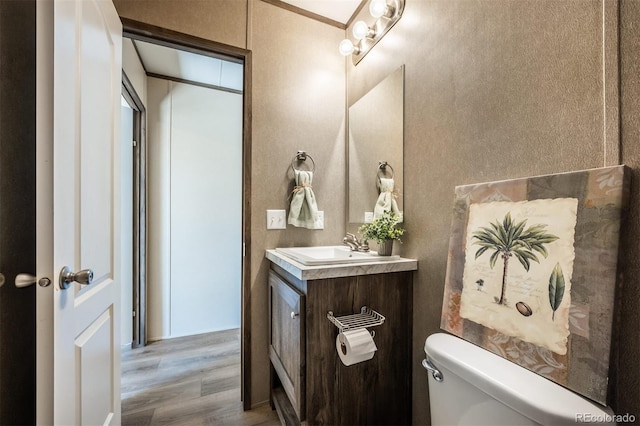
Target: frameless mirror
[(376, 135)]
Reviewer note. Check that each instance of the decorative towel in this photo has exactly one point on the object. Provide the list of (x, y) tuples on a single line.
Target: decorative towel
[(304, 210), (386, 200)]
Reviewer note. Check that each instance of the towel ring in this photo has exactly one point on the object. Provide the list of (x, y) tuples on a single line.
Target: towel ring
[(302, 156), (382, 168)]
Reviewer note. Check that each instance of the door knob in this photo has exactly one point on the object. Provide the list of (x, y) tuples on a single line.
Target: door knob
[(81, 277), (25, 280), (1, 280)]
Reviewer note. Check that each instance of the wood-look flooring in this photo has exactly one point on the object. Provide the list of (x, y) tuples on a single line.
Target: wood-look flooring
[(192, 380)]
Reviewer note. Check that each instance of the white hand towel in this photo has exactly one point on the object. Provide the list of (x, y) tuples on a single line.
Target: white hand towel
[(386, 200), (304, 209)]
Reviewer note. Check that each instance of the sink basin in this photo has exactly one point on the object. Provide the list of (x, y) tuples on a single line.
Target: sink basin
[(330, 255)]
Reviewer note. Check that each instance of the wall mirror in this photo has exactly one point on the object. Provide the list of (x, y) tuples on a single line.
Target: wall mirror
[(376, 134)]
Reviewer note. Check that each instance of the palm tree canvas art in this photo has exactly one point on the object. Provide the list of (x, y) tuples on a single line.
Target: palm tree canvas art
[(532, 271), (517, 249), (509, 238)]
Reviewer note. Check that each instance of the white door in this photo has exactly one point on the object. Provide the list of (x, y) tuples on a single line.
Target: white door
[(78, 211)]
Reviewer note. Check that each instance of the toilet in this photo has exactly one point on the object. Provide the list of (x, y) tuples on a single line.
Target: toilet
[(469, 385)]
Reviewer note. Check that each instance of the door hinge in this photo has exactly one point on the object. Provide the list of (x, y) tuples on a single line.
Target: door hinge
[(134, 314), (243, 250), (134, 143)]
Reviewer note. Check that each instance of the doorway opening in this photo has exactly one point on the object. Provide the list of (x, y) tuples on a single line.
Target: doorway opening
[(179, 42)]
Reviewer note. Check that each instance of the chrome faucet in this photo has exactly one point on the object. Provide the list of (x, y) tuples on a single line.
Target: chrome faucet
[(352, 241)]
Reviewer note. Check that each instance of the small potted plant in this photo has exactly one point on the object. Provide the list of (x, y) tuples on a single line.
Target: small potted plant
[(383, 230)]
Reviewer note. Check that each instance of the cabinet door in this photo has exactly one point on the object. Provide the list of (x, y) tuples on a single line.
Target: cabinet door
[(373, 392), (287, 340)]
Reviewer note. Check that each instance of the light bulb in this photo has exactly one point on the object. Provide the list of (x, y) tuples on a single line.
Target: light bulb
[(346, 47), (377, 8), (361, 30)]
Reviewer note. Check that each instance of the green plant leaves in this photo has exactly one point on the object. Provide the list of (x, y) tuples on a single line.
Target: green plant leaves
[(383, 228), (556, 289)]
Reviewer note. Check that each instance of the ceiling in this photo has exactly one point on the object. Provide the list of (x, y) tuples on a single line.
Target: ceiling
[(337, 10), (189, 67)]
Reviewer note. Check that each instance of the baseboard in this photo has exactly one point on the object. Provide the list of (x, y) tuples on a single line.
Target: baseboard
[(259, 404)]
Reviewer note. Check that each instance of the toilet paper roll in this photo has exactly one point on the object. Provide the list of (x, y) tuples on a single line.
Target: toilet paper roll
[(355, 346)]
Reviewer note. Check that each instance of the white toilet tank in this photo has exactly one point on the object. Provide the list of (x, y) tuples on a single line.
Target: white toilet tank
[(481, 388)]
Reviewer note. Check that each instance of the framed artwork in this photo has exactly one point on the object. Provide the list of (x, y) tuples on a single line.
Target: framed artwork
[(531, 272)]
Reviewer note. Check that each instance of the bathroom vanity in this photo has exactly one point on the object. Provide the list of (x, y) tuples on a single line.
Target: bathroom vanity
[(309, 381)]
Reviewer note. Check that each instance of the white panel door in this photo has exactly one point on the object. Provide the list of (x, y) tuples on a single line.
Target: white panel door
[(87, 62)]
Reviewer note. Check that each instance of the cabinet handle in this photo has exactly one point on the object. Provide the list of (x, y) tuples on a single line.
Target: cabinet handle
[(294, 315)]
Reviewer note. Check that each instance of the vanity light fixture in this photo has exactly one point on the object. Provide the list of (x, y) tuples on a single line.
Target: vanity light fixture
[(386, 13), (362, 30), (347, 47), (378, 8)]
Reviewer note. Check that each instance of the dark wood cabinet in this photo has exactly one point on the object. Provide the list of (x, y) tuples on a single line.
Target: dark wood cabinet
[(373, 392), (287, 340)]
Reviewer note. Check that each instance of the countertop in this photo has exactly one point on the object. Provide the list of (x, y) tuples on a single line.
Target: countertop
[(306, 272)]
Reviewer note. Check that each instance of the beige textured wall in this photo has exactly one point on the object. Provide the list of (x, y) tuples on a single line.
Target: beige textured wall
[(627, 397), (497, 90), (224, 21), (298, 104)]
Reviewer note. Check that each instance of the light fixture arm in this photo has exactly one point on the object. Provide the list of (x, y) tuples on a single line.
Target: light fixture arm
[(362, 30), (387, 13)]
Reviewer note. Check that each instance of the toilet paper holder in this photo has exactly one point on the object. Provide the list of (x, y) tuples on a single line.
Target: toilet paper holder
[(366, 318)]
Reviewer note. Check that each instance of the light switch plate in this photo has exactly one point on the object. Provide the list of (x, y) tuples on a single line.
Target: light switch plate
[(276, 219), (320, 220), (368, 217)]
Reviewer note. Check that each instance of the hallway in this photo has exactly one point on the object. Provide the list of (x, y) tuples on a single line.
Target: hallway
[(193, 380)]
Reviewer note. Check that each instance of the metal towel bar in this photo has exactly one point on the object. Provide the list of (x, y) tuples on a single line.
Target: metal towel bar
[(382, 168), (302, 156)]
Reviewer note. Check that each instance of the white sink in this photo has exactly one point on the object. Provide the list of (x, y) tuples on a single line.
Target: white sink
[(329, 255)]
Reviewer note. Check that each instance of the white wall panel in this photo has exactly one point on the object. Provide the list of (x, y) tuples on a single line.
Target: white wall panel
[(126, 226), (195, 209), (206, 209), (159, 198)]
